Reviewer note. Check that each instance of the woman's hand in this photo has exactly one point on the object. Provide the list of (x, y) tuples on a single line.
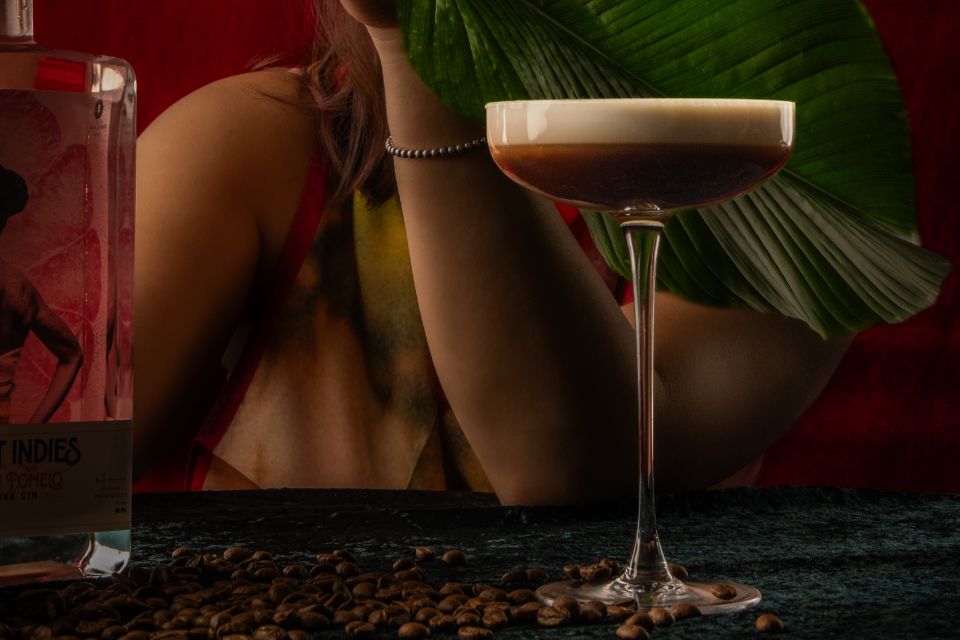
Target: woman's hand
[(374, 14)]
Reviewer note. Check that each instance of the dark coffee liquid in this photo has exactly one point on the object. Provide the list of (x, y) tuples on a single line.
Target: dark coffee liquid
[(655, 176)]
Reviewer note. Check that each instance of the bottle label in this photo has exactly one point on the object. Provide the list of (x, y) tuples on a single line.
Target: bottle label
[(65, 314), (64, 478)]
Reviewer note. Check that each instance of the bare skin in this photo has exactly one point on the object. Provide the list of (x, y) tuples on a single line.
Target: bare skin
[(534, 355), (23, 311)]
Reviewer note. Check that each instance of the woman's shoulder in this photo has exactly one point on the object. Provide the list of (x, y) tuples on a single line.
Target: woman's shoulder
[(262, 100), (245, 141)]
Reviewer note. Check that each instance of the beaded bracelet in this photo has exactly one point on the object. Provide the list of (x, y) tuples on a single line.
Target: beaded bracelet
[(436, 152)]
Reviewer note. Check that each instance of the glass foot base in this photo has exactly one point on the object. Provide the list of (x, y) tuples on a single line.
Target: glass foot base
[(736, 596)]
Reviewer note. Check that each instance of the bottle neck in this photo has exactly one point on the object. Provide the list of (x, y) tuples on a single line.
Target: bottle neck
[(16, 21)]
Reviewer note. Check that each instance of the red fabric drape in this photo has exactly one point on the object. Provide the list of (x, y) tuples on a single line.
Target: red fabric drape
[(890, 418)]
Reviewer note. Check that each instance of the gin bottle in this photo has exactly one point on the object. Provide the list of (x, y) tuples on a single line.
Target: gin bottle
[(67, 139)]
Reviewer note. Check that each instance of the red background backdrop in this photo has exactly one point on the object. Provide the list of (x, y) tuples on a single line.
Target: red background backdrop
[(890, 418)]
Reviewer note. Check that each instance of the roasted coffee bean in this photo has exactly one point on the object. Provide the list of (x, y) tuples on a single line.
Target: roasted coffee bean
[(364, 590), (221, 618), (378, 617), (313, 621), (269, 632), (297, 571), (678, 571), (324, 569), (198, 633), (537, 575), (572, 571), (180, 552), (595, 573), (415, 575), (526, 613), (389, 595), (169, 635), (141, 623), (467, 619), (684, 611), (768, 623), (495, 620), (514, 576), (592, 611), (343, 554), (233, 628), (255, 618), (179, 623), (454, 558), (569, 604), (113, 632), (425, 614), (237, 554), (136, 635), (266, 574), (413, 630), (448, 604), (242, 575), (405, 562), (521, 596), (347, 569), (424, 553), (297, 634), (499, 607), (337, 598), (341, 617), (41, 632), (278, 591), (640, 619), (661, 617), (450, 588), (632, 632), (723, 591), (474, 633), (476, 609), (621, 611), (397, 620), (442, 623), (162, 616), (492, 595), (359, 629), (158, 576), (552, 617)]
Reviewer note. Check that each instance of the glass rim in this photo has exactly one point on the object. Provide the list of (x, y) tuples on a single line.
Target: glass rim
[(660, 101)]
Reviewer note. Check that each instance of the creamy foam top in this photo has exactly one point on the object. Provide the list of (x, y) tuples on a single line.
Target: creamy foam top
[(641, 120)]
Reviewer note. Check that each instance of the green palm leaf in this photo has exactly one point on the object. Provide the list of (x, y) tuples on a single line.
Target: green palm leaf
[(829, 240)]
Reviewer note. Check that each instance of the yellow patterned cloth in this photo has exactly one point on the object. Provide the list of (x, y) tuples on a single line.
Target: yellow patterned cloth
[(397, 350)]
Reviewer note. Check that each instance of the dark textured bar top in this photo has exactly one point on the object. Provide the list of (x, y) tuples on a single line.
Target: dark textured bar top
[(832, 563)]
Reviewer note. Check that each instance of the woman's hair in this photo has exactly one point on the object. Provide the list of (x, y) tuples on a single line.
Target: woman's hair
[(343, 73)]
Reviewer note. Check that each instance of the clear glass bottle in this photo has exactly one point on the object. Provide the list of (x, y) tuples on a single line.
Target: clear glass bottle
[(67, 152)]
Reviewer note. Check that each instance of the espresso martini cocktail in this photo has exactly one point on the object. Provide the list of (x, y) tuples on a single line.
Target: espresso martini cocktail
[(640, 155), (641, 160)]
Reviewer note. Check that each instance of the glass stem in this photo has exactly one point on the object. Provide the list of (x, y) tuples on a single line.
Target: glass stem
[(647, 565)]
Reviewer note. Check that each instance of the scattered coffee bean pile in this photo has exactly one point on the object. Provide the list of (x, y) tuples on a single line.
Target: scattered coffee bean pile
[(245, 595)]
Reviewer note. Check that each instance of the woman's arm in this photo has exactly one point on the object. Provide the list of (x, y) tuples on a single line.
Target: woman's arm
[(534, 354), (218, 178), (56, 336)]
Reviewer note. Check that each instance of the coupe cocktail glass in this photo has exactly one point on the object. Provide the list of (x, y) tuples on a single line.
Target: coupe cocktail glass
[(642, 160)]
